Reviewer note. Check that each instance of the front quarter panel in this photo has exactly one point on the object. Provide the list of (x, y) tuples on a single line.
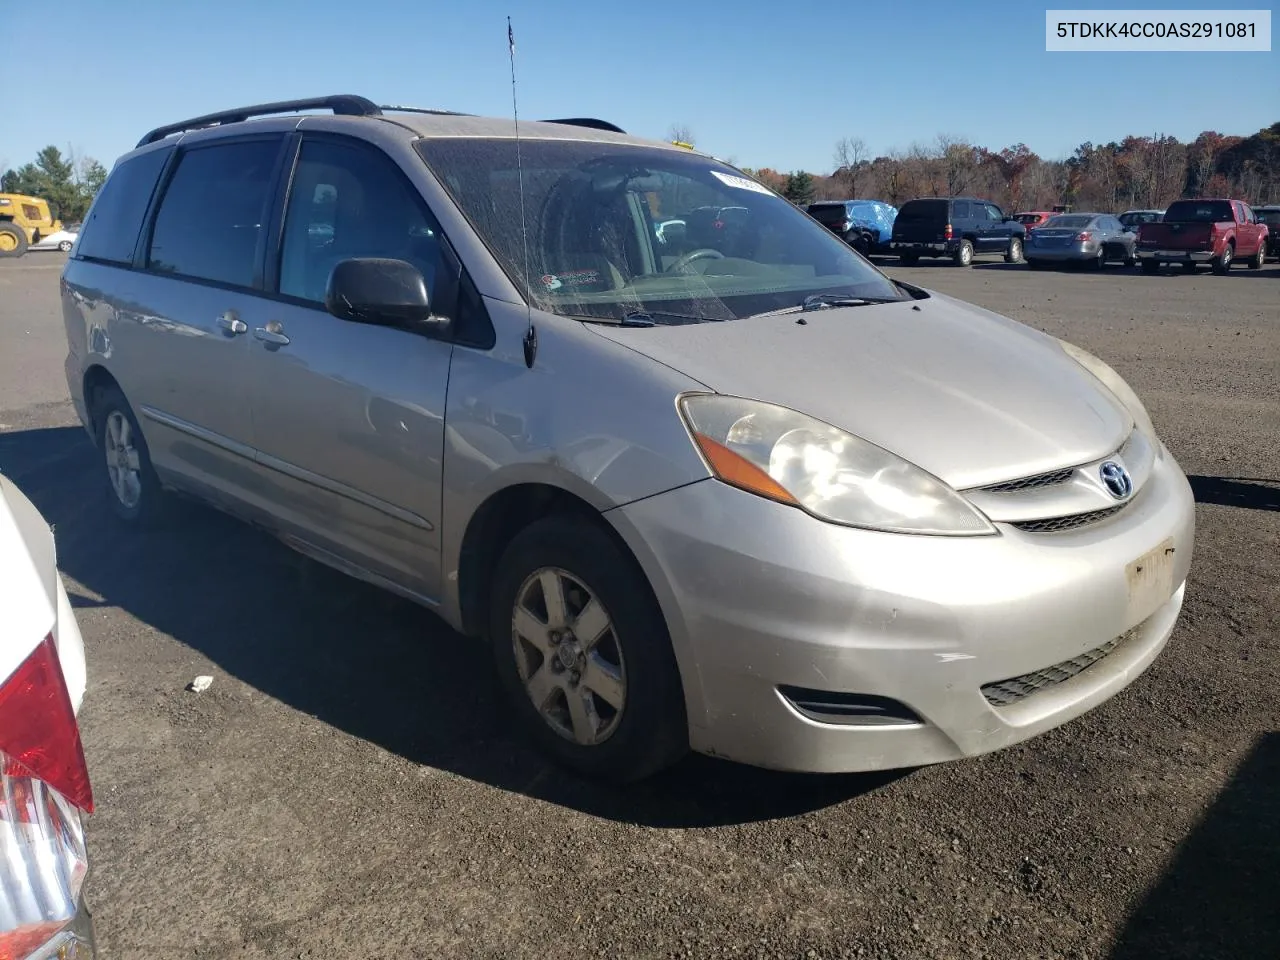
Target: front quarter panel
[(590, 417)]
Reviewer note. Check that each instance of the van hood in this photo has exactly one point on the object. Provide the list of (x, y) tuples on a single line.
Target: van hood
[(970, 396)]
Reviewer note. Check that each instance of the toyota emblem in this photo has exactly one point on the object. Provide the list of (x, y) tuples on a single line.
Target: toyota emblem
[(1116, 479)]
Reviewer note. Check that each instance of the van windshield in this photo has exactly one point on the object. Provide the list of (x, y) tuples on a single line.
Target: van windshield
[(620, 229)]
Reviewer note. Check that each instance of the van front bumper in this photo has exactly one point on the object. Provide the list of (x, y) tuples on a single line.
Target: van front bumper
[(781, 621)]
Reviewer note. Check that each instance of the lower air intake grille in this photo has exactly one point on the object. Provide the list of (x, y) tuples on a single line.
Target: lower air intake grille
[(862, 709), (1056, 524), (1006, 692)]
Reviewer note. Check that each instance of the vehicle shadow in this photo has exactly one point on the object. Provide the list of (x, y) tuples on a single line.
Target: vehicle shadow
[(1217, 899), (1236, 492), (352, 655)]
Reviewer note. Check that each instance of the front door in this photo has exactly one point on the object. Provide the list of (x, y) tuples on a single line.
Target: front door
[(349, 417), (994, 231)]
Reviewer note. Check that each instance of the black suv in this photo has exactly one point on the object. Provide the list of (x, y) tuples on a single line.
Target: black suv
[(955, 227)]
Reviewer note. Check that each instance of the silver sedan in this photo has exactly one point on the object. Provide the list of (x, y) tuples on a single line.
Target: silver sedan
[(1092, 238)]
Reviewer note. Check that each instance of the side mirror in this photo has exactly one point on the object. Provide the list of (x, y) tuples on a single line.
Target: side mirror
[(389, 293)]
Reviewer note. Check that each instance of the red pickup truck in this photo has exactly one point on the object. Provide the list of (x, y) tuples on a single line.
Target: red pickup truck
[(1212, 231)]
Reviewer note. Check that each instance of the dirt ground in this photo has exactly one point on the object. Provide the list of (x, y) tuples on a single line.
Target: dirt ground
[(349, 786)]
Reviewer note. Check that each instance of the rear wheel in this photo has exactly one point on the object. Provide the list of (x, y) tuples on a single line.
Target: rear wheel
[(1014, 253), (13, 241), (133, 488), (65, 246), (1100, 260), (963, 256), (583, 652), (1131, 257), (1223, 263)]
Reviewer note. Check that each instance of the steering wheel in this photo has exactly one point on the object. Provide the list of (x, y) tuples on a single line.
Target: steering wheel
[(702, 253)]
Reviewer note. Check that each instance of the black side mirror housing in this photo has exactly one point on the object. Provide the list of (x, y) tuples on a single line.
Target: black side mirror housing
[(388, 293)]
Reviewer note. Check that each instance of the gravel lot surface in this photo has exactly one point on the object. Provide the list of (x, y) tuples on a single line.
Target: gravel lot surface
[(348, 787)]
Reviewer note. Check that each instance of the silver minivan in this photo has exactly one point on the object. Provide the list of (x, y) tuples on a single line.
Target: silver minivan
[(727, 488)]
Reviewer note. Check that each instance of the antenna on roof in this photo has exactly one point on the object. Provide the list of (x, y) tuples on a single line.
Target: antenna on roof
[(530, 334)]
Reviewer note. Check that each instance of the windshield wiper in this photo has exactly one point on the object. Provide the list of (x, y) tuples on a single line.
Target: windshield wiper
[(825, 301), (650, 318)]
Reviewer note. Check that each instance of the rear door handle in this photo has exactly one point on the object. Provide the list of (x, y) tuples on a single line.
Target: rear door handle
[(272, 333), (232, 324)]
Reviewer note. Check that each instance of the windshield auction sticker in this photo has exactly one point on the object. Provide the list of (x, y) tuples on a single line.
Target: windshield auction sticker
[(1149, 31)]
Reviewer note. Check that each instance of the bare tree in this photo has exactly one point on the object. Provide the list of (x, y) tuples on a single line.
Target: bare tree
[(680, 133), (851, 159), (959, 162)]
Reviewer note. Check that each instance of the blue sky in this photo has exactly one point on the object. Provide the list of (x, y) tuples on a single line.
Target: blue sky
[(764, 84)]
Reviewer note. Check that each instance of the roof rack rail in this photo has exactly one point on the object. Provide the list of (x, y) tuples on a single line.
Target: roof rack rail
[(591, 122), (398, 108), (343, 104)]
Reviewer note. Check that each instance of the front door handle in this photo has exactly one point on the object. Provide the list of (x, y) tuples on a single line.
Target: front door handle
[(232, 324), (272, 333)]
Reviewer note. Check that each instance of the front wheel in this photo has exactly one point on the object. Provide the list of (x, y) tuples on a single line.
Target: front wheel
[(64, 246), (1258, 259), (583, 652), (13, 240), (1223, 263), (1014, 253), (964, 255)]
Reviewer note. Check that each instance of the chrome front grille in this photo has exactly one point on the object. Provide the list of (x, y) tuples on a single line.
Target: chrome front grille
[(1006, 692), (1072, 522), (1029, 483)]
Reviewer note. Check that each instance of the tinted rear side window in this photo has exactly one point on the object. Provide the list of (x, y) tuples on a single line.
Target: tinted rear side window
[(1199, 211), (213, 212), (828, 212), (924, 210), (111, 231)]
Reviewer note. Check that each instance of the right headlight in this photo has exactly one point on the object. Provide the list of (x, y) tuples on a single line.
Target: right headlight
[(775, 452), (1116, 385)]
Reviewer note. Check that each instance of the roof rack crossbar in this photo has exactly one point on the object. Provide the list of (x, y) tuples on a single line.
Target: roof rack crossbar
[(343, 104), (591, 122)]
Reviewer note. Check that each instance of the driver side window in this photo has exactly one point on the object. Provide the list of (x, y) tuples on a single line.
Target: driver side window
[(349, 200)]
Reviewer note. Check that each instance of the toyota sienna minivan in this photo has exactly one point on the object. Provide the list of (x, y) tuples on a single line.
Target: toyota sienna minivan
[(740, 493)]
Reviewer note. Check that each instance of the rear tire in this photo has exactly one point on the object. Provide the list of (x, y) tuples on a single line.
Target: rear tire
[(963, 256), (65, 246), (648, 730), (1221, 265), (1131, 257), (13, 241), (1014, 253), (132, 486)]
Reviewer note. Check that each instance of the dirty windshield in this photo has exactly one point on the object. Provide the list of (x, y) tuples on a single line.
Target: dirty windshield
[(616, 230)]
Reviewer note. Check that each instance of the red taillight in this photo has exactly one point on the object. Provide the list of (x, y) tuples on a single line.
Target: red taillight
[(946, 232), (38, 729), (1084, 235)]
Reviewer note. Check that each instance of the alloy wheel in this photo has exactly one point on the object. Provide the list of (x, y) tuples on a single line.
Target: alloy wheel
[(568, 657), (124, 467)]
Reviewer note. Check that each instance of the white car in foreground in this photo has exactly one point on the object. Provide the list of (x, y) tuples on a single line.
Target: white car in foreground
[(44, 783), (58, 240)]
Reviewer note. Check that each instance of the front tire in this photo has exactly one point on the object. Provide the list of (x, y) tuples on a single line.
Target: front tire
[(964, 255), (64, 246), (132, 486), (1258, 259), (13, 240), (1014, 253), (583, 652), (1221, 265)]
